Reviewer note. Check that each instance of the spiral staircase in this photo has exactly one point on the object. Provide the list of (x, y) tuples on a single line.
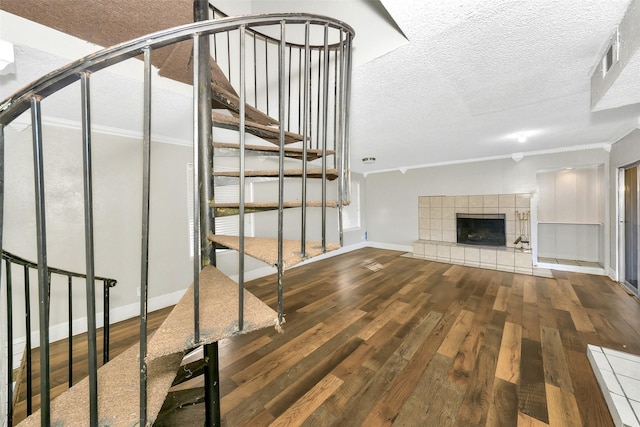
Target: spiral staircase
[(282, 124)]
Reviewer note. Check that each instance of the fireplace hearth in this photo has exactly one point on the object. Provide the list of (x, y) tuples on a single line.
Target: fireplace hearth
[(481, 229)]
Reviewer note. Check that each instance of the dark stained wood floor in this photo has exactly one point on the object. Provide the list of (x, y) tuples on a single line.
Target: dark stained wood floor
[(420, 343)]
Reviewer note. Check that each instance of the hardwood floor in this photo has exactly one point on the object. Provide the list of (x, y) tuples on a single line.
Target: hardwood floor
[(421, 343)]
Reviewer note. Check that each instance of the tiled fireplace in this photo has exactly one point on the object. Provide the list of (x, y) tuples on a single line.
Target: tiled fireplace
[(438, 231)]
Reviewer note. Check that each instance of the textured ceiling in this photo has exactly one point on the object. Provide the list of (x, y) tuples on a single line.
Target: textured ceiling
[(475, 74), (468, 79)]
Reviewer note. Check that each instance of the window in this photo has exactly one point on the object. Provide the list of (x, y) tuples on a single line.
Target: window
[(351, 212)]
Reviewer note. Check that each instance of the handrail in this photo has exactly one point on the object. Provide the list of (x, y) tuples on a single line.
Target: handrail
[(108, 283), (19, 102)]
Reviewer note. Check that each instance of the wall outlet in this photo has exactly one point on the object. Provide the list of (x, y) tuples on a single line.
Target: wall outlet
[(138, 291)]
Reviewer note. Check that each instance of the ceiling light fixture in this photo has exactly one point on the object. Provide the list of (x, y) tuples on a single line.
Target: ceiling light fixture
[(522, 138), (368, 160)]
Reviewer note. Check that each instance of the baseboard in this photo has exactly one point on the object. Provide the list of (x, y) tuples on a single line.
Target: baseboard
[(60, 331), (390, 246), (118, 314), (612, 273)]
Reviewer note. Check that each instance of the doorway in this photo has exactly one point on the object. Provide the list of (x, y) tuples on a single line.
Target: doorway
[(629, 226)]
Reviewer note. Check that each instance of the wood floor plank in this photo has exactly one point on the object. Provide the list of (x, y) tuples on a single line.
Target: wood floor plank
[(556, 371), (420, 411), (563, 409), (302, 408), (508, 367), (361, 347), (503, 410)]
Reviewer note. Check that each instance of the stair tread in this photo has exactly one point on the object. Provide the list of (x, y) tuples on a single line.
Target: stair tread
[(295, 152), (118, 391), (311, 173), (231, 101), (290, 204), (271, 134), (266, 249), (218, 316)]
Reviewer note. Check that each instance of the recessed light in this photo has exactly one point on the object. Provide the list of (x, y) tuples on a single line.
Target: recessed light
[(522, 139), (368, 160)]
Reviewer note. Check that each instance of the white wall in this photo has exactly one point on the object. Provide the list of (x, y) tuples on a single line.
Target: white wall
[(392, 197), (624, 152), (571, 213), (117, 164)]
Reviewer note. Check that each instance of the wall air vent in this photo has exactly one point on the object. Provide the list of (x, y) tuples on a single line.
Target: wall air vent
[(612, 54)]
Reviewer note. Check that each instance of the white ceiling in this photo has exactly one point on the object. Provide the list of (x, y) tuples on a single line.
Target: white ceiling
[(472, 76)]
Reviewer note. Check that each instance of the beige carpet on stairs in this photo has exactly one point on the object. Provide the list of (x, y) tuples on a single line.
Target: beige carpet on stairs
[(266, 249), (218, 316), (118, 393)]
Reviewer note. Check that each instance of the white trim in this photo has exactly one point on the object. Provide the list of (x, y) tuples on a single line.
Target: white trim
[(390, 246), (568, 149), (59, 331), (20, 125), (598, 271), (613, 274)]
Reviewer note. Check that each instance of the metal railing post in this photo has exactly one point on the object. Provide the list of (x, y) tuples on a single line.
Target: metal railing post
[(89, 255), (242, 183), (281, 172), (305, 136), (325, 113), (43, 270), (144, 259)]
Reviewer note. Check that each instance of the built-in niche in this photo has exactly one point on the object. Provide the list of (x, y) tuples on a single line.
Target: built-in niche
[(570, 216)]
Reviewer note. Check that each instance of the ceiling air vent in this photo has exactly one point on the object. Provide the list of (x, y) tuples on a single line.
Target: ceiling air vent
[(612, 54)]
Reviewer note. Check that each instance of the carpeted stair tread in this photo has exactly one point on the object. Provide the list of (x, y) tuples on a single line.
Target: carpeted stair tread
[(271, 134), (231, 101), (289, 173), (266, 249), (293, 152), (118, 391), (218, 316)]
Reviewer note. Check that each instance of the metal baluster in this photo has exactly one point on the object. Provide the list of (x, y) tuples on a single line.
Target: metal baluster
[(144, 260), (105, 316), (196, 193), (289, 94), (305, 135), (318, 102), (229, 54), (339, 138), (281, 173), (70, 331), (325, 112), (346, 144), (266, 72), (27, 306), (43, 269), (300, 89), (9, 383), (255, 73), (9, 342), (241, 188), (89, 253)]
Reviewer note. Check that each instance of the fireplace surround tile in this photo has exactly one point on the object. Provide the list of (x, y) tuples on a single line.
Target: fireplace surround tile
[(490, 201), (448, 202), (461, 202), (476, 201), (507, 201), (437, 231)]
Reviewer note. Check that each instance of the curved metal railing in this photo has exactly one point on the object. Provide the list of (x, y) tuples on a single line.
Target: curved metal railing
[(322, 82), (28, 266)]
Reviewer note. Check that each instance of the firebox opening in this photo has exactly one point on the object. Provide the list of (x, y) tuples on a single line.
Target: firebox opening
[(481, 229)]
